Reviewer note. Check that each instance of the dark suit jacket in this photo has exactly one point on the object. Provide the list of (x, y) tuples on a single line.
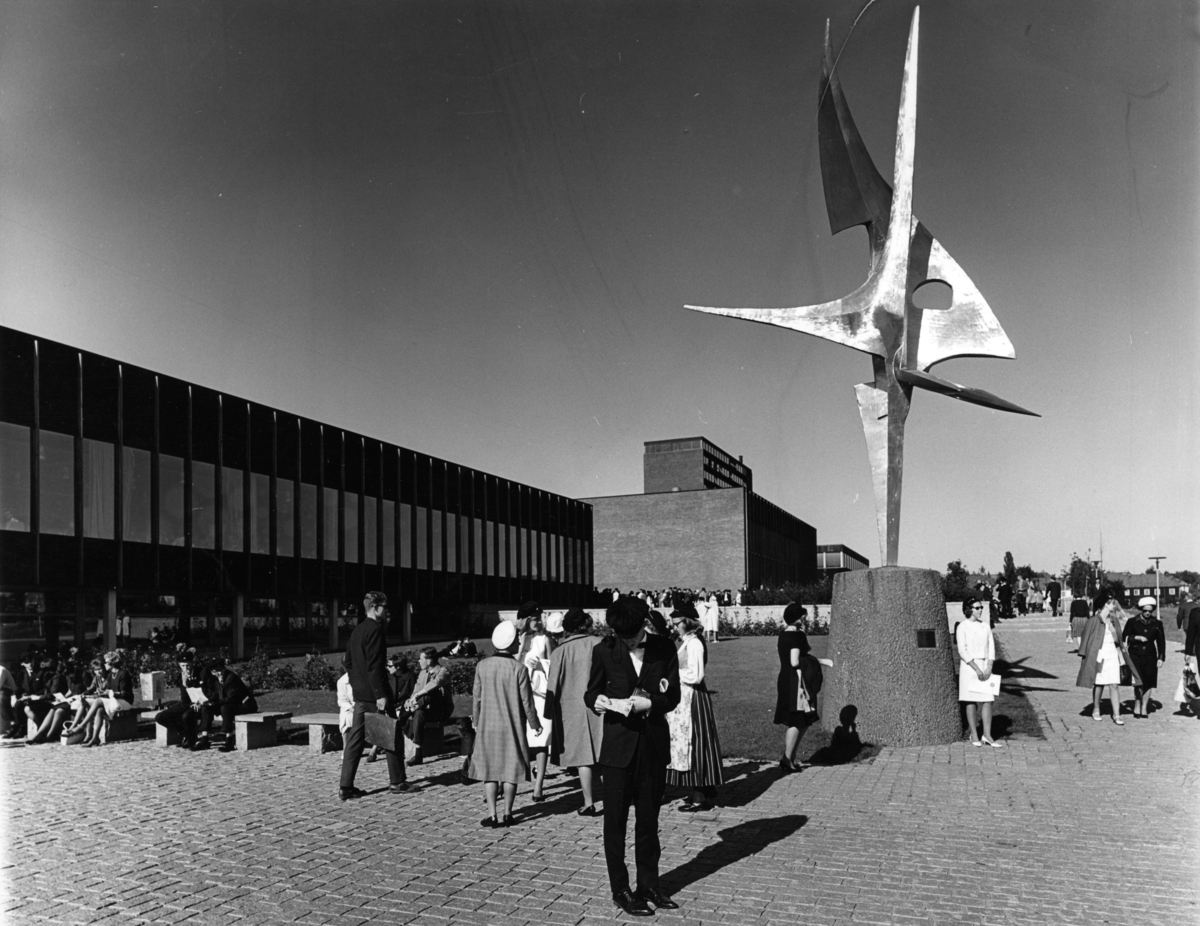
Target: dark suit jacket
[(366, 662), (1191, 640), (613, 675), (233, 692)]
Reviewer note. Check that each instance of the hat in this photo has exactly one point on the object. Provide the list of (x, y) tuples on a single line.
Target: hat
[(504, 635), (529, 609), (554, 623), (794, 612), (686, 609), (1147, 601)]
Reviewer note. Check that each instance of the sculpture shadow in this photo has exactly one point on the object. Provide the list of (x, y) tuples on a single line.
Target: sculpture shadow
[(1019, 669), (737, 843)]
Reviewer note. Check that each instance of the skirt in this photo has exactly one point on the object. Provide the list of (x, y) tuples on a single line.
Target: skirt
[(1077, 625), (1146, 663), (705, 771), (1109, 658)]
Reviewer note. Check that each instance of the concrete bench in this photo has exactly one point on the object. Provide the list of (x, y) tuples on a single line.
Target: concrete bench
[(320, 730), (163, 737), (256, 731), (121, 726)]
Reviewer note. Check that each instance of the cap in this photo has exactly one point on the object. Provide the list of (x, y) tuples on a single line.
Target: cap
[(1147, 601), (554, 622), (504, 635)]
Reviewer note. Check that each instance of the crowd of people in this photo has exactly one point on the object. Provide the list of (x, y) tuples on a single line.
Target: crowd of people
[(1024, 596)]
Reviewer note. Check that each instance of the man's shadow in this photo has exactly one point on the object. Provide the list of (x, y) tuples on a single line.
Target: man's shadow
[(737, 842)]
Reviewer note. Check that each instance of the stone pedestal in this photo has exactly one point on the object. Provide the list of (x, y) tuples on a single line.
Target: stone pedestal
[(892, 658)]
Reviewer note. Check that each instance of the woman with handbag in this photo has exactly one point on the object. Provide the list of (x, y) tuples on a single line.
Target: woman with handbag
[(1104, 663), (534, 654), (1146, 643), (795, 704), (978, 684)]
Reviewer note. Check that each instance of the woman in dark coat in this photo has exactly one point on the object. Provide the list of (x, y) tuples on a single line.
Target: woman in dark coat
[(795, 704), (1147, 644)]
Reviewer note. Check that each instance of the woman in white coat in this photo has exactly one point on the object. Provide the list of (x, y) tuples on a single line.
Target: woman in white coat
[(534, 654), (977, 682)]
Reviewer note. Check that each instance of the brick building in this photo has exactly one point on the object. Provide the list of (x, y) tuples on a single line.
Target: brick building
[(697, 524)]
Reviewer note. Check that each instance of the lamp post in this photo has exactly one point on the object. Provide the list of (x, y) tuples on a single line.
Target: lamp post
[(1157, 584)]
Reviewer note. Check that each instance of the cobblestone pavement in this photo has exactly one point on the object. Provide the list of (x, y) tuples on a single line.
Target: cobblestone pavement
[(1093, 823)]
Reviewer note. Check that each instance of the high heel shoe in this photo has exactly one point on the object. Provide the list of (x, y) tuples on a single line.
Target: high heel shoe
[(538, 798), (991, 742), (1118, 721)]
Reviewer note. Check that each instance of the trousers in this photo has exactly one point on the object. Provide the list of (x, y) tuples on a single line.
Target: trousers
[(356, 739), (640, 785)]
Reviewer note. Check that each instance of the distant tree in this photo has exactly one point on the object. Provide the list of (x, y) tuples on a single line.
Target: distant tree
[(1026, 572), (1080, 575), (1191, 578), (956, 582), (1010, 568), (981, 571)]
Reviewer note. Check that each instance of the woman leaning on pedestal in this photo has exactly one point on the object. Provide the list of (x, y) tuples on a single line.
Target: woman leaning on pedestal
[(978, 683)]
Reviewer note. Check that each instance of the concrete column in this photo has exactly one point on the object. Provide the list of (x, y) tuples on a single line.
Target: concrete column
[(212, 622), (406, 622), (238, 626), (307, 620), (332, 624), (80, 619), (110, 619)]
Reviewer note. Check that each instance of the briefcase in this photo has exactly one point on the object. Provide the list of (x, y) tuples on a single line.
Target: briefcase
[(384, 731)]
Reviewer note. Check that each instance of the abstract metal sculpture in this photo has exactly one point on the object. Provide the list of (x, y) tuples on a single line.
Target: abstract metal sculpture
[(879, 317)]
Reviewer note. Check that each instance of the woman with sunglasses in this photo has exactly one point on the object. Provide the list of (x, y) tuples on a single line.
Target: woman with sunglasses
[(977, 683)]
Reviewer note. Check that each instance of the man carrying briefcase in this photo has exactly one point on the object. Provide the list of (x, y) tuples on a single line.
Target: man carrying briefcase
[(366, 664)]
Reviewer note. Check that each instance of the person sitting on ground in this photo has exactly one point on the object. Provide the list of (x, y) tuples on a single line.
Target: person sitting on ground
[(430, 701)]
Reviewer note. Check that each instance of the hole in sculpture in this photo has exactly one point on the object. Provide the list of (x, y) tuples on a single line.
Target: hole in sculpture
[(933, 295)]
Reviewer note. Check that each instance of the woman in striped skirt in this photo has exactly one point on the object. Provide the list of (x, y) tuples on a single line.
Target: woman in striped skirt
[(695, 750)]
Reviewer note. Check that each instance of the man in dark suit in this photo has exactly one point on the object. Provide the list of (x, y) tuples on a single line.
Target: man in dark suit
[(1054, 593), (634, 684), (366, 664)]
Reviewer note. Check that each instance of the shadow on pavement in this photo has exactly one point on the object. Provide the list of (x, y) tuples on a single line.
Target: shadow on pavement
[(737, 843)]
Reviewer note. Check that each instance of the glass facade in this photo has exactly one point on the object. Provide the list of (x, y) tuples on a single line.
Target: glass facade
[(219, 495)]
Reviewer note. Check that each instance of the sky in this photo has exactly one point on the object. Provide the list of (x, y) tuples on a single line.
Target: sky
[(470, 228)]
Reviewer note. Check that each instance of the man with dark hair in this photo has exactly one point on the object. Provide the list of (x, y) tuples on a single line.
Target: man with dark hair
[(634, 684), (365, 662), (1054, 593)]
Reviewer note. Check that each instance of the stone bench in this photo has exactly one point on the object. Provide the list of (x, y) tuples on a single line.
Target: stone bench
[(256, 731), (162, 736), (121, 726), (320, 727)]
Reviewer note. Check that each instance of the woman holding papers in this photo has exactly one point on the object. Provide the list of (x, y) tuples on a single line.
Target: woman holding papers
[(978, 685), (117, 691)]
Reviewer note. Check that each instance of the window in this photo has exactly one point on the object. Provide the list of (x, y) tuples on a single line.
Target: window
[(231, 509), (204, 505), (451, 541), (477, 530), (330, 553), (502, 550), (514, 544), (170, 498), (350, 507), (285, 517), (436, 519), (308, 520), (370, 530), (14, 477), (99, 507), (405, 535), (389, 533), (422, 538), (57, 496), (464, 533), (260, 513), (135, 494), (490, 533)]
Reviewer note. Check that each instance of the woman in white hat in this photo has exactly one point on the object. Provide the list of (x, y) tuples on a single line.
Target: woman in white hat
[(1147, 644), (502, 704)]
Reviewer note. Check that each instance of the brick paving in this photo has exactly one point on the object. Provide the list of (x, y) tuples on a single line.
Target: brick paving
[(1089, 823)]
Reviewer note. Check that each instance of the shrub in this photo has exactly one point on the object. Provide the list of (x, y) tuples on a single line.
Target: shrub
[(256, 671), (815, 593), (284, 676), (317, 674), (460, 673)]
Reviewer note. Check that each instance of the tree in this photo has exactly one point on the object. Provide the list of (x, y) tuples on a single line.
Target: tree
[(1026, 572), (1010, 568), (1079, 577), (1188, 576), (956, 582)]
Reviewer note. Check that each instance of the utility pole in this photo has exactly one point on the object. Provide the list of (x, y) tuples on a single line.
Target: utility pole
[(1157, 583)]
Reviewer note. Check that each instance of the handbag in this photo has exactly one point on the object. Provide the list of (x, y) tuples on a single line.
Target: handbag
[(1126, 675), (384, 731)]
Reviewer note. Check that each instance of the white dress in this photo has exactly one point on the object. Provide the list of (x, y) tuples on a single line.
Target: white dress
[(975, 642), (1109, 658), (537, 661), (709, 615)]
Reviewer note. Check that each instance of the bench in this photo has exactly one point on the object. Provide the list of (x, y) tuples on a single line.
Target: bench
[(256, 731), (121, 726), (163, 737), (321, 730)]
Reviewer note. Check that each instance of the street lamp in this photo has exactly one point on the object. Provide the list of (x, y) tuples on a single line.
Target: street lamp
[(1157, 584)]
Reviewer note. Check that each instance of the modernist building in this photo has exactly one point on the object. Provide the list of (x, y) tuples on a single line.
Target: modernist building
[(698, 524), (837, 557), (119, 480)]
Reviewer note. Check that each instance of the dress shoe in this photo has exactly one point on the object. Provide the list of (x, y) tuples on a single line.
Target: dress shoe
[(227, 746), (349, 794), (489, 823), (538, 798), (401, 787), (697, 808), (658, 898), (372, 758), (632, 904), (588, 811), (415, 760), (506, 821)]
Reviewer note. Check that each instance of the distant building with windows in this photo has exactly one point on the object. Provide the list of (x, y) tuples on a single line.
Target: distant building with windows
[(1141, 584), (837, 557), (697, 524), (120, 481)]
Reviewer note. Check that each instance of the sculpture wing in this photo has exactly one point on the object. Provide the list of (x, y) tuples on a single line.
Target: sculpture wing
[(955, 391)]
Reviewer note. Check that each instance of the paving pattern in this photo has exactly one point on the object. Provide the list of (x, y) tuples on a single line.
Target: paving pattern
[(1090, 823)]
